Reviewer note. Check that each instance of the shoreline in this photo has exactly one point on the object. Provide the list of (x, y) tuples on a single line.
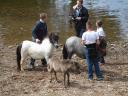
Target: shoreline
[(36, 82)]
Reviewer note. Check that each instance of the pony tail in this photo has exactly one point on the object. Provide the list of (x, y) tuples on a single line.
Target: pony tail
[(65, 52), (18, 54)]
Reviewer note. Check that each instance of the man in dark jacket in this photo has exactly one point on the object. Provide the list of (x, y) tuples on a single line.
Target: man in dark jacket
[(79, 16), (39, 32)]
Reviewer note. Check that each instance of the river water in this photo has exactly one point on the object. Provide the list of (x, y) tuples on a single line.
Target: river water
[(17, 18)]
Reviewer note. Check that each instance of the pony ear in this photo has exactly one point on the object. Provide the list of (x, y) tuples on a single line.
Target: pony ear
[(57, 35), (50, 37)]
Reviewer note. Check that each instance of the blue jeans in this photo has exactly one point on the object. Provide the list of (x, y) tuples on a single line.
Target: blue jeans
[(91, 59)]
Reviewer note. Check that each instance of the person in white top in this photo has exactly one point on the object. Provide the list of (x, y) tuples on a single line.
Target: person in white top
[(103, 44), (90, 39), (100, 30)]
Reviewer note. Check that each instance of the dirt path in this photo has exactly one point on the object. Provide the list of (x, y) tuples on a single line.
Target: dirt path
[(36, 82)]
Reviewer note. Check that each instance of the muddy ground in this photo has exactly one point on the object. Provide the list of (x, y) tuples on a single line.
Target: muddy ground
[(37, 82)]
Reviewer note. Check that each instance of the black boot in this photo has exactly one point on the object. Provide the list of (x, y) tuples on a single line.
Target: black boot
[(44, 63), (32, 63)]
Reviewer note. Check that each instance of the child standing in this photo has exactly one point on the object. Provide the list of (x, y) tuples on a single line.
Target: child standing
[(103, 44), (90, 39)]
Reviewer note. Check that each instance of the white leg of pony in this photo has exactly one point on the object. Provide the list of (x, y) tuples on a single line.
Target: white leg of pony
[(21, 62)]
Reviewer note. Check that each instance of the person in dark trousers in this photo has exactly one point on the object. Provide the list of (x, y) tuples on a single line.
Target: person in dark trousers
[(39, 32), (90, 40), (79, 16), (103, 43)]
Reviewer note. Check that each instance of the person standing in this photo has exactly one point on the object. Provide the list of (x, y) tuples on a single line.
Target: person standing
[(103, 44), (39, 32), (90, 39), (79, 16)]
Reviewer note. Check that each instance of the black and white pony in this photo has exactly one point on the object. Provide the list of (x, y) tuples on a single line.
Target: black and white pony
[(35, 50), (73, 46)]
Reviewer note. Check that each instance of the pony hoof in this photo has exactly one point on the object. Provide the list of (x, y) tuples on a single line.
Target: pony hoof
[(58, 81), (65, 86), (50, 81)]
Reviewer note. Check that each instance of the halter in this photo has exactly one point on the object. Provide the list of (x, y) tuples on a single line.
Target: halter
[(54, 39)]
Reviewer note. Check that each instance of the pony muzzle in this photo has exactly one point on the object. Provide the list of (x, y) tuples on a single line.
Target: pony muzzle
[(56, 45)]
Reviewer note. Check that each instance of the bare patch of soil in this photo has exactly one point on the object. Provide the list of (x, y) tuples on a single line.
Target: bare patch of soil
[(37, 82)]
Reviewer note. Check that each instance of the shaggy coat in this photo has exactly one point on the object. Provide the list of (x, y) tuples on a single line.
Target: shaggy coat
[(65, 66)]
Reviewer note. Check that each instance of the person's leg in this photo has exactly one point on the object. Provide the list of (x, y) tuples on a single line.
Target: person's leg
[(32, 61), (101, 57), (90, 65), (102, 60), (98, 58), (44, 63), (81, 32), (90, 69), (97, 69), (103, 50), (77, 29)]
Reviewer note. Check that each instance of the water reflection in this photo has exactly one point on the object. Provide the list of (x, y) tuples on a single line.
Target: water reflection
[(18, 17), (117, 11), (60, 15)]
